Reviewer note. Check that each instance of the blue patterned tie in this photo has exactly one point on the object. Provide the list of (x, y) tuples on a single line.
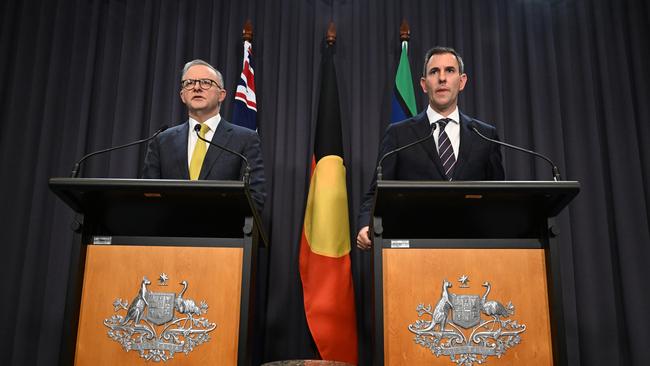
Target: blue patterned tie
[(445, 151)]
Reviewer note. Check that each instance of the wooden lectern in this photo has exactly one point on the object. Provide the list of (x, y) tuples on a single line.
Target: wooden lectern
[(165, 270), (468, 273)]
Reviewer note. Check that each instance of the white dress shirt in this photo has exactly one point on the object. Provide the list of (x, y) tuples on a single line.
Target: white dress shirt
[(191, 136), (452, 129)]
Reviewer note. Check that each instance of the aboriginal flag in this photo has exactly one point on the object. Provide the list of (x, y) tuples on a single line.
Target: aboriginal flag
[(325, 267)]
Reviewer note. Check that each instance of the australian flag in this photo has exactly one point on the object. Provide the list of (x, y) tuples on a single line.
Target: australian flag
[(245, 103)]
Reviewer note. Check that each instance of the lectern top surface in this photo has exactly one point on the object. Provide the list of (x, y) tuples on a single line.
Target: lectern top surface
[(508, 209), (159, 206)]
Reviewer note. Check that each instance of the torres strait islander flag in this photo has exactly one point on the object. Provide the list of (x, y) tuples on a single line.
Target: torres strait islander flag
[(325, 267), (403, 103), (245, 102)]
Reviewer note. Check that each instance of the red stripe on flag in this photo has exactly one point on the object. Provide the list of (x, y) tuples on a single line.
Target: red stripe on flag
[(327, 286), (250, 77), (242, 97)]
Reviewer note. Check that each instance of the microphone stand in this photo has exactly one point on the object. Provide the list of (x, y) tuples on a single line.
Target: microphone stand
[(381, 161), (247, 169), (556, 171), (75, 169)]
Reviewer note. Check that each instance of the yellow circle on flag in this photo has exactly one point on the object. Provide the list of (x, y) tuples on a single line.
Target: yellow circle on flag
[(327, 226)]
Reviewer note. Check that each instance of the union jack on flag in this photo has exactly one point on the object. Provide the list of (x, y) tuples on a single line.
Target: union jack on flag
[(245, 103)]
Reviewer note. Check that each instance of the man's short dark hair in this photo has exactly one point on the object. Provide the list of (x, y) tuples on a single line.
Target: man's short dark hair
[(438, 50)]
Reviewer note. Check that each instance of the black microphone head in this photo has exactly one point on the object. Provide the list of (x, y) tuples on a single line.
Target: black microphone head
[(197, 127)]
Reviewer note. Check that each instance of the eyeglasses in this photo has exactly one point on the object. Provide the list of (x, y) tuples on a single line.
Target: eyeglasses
[(205, 84)]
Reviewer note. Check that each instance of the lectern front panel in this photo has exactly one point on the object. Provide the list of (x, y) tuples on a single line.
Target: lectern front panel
[(152, 302), (444, 304)]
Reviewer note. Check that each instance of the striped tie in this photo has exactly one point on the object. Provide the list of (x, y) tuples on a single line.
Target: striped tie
[(445, 151)]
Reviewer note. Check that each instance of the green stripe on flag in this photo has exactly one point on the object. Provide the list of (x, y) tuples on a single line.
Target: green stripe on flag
[(404, 81)]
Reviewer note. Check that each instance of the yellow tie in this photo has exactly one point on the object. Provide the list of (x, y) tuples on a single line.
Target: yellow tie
[(199, 153)]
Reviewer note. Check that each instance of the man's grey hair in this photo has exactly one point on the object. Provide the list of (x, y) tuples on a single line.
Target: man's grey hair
[(438, 50), (203, 63)]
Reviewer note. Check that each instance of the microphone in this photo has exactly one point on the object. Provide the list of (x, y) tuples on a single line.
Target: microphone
[(395, 151), (556, 171), (75, 169), (247, 171)]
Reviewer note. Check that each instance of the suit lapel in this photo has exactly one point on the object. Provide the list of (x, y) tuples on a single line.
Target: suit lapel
[(421, 128), (180, 149), (467, 139), (221, 137)]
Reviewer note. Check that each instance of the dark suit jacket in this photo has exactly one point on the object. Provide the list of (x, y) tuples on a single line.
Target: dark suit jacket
[(477, 159), (167, 157)]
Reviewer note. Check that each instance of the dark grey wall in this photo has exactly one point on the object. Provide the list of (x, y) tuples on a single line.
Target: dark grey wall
[(566, 78)]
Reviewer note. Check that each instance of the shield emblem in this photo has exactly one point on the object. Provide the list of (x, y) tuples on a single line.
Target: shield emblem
[(161, 307), (466, 312)]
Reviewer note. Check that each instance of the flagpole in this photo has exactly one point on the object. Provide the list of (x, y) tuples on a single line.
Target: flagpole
[(247, 32), (330, 37), (404, 31)]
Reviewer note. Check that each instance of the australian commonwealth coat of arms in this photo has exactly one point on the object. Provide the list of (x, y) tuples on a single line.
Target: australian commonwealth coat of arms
[(467, 328), (159, 324)]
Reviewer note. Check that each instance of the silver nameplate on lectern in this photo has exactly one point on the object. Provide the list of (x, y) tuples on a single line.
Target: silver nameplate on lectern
[(400, 243), (102, 240)]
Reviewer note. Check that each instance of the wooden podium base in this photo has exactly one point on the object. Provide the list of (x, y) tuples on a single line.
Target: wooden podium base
[(415, 276), (114, 275)]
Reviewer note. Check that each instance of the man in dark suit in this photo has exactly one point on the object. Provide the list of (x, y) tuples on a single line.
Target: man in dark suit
[(454, 153), (178, 153)]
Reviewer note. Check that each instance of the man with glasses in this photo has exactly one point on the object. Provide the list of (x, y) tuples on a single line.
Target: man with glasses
[(178, 153)]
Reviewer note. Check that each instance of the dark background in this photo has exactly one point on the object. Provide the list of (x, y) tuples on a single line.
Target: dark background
[(570, 79)]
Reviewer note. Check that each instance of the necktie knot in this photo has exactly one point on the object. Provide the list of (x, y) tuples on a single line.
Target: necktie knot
[(204, 130), (442, 123)]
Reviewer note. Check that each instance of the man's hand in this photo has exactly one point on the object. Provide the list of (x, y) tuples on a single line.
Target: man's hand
[(363, 239)]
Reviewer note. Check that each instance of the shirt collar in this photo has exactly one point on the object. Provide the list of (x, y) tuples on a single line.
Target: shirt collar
[(435, 116), (212, 122)]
